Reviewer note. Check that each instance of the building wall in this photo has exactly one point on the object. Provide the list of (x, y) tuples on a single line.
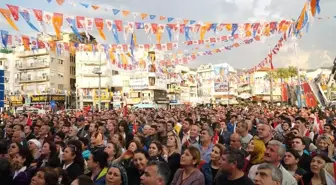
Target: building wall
[(41, 71), (87, 83)]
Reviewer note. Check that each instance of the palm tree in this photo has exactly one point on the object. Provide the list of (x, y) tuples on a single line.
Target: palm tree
[(271, 76), (292, 72), (282, 73)]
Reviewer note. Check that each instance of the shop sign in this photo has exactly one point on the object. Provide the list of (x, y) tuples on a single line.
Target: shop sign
[(47, 98), (16, 101)]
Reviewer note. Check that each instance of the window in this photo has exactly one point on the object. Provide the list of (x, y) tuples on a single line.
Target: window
[(60, 61), (115, 72), (0, 62), (125, 83), (60, 86)]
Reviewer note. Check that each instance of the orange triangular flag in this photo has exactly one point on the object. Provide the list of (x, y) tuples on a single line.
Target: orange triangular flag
[(143, 15), (162, 18), (313, 7), (60, 2), (301, 18), (57, 21), (7, 15), (125, 12), (95, 7), (228, 27), (185, 21)]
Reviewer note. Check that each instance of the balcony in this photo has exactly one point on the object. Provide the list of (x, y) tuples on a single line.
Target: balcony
[(33, 79), (39, 52), (32, 66)]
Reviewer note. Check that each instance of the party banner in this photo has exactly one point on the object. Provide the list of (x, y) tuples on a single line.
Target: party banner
[(309, 95), (26, 42), (4, 37), (7, 15), (221, 84), (14, 11), (284, 92), (25, 14), (57, 22), (100, 27)]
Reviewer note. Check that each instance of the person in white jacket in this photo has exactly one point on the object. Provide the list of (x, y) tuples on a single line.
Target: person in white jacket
[(275, 151)]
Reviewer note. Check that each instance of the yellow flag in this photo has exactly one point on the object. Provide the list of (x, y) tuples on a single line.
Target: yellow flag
[(124, 59), (158, 36), (7, 16), (57, 22), (202, 32)]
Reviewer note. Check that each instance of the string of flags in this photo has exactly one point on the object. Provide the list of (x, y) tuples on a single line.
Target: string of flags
[(126, 13), (174, 30), (248, 30), (118, 55), (309, 11), (31, 43)]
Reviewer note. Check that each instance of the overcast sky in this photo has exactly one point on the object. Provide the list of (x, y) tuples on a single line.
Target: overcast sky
[(316, 48)]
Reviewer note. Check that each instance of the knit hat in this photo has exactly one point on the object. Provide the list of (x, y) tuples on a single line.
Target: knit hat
[(36, 142), (123, 173)]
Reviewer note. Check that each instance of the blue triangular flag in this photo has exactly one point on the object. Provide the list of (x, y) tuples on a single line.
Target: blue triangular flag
[(170, 19), (72, 23), (115, 11), (4, 37), (192, 21), (152, 16), (85, 5), (26, 17), (318, 8), (169, 33)]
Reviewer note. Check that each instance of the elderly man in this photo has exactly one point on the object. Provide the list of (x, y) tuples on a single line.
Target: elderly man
[(264, 133), (206, 145), (274, 153), (268, 174)]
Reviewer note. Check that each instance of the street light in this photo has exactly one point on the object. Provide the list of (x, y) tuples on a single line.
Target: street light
[(98, 72)]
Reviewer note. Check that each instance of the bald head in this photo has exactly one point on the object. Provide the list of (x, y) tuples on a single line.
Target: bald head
[(264, 132), (235, 141)]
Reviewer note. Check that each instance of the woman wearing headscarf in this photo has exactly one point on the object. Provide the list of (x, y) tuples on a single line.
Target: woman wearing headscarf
[(256, 149), (116, 175), (35, 146)]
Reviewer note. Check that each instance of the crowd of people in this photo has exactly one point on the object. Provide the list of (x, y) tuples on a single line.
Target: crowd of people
[(229, 145)]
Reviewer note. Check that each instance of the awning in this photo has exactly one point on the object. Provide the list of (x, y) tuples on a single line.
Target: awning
[(162, 102), (245, 95)]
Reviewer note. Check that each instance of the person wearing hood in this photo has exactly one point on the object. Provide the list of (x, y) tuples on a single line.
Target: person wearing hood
[(97, 164), (34, 147)]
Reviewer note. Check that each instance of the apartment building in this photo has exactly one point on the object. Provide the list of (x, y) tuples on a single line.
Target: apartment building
[(88, 65)]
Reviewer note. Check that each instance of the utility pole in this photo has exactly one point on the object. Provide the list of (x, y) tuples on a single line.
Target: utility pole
[(298, 74), (271, 87), (99, 72)]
